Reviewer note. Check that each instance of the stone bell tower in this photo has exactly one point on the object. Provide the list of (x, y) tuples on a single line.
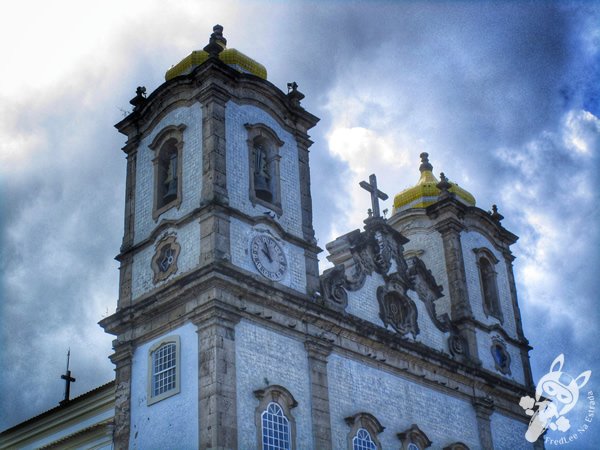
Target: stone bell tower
[(218, 223)]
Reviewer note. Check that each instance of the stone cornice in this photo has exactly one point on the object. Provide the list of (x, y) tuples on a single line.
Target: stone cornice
[(214, 79), (206, 208), (242, 294)]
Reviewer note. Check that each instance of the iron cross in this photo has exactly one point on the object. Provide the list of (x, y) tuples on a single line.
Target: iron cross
[(68, 380), (376, 194)]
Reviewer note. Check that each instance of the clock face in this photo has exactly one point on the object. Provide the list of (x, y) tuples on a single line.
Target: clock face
[(268, 257)]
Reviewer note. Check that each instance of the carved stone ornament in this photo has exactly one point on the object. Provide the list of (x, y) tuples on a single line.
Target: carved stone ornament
[(415, 436), (373, 250), (500, 355), (396, 309), (333, 282), (424, 284), (457, 346), (164, 261)]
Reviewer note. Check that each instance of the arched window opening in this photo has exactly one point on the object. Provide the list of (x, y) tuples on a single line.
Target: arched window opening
[(486, 262), (264, 156), (363, 441), (275, 428), (363, 432), (263, 176), (275, 424), (414, 439), (489, 287), (167, 183), (167, 147)]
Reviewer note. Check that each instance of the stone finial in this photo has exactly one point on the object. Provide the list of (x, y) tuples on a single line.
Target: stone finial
[(425, 164), (216, 43), (444, 187), (495, 215), (294, 94), (140, 97)]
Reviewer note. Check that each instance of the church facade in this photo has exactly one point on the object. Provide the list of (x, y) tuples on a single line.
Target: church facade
[(228, 337)]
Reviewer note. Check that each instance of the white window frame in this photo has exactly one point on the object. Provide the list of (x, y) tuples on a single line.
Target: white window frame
[(151, 399)]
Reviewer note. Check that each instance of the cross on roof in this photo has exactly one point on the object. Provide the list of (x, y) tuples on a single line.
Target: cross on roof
[(68, 380), (376, 194)]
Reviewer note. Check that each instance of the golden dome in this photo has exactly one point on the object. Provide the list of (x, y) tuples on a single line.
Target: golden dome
[(426, 192), (217, 47)]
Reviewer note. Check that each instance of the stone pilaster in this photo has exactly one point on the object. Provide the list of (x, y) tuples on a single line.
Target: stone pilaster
[(484, 407), (455, 267), (126, 261), (508, 258), (122, 422), (217, 380), (214, 162), (317, 366), (450, 230), (130, 200), (214, 237)]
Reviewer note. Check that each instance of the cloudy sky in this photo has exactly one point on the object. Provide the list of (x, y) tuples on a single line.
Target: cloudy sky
[(505, 98)]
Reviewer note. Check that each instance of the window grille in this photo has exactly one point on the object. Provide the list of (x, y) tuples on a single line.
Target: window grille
[(275, 428), (363, 441), (164, 369)]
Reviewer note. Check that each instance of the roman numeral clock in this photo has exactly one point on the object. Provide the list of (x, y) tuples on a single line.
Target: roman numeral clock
[(268, 257)]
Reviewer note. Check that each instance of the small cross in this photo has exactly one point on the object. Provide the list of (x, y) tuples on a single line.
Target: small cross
[(376, 194), (68, 380)]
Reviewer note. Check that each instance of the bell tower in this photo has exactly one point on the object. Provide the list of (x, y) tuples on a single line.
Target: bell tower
[(218, 222)]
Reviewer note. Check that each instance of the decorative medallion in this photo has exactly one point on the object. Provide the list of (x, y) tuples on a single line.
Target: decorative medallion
[(396, 308), (500, 355), (164, 261), (268, 257)]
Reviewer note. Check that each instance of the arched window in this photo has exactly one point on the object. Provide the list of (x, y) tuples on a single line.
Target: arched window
[(163, 369), (275, 428), (363, 441), (275, 423), (489, 286), (363, 432), (456, 446), (167, 146), (414, 439), (263, 156), (168, 180)]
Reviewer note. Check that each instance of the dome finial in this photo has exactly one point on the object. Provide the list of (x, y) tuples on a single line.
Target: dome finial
[(217, 42), (425, 164)]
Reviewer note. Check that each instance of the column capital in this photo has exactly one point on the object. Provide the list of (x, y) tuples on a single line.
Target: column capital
[(484, 407), (449, 225), (216, 316), (317, 349)]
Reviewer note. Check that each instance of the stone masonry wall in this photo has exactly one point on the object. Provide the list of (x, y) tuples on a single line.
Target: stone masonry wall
[(172, 422), (238, 172), (263, 358), (191, 171), (397, 403)]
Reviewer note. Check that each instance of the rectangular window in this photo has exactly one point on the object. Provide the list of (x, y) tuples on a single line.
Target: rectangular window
[(163, 369)]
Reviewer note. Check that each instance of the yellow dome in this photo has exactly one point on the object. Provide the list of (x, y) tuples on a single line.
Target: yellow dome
[(217, 46), (426, 192)]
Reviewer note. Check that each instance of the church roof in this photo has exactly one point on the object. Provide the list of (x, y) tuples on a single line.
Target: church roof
[(217, 46), (426, 192)]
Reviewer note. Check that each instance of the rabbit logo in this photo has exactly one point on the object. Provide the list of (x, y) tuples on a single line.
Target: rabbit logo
[(556, 394)]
